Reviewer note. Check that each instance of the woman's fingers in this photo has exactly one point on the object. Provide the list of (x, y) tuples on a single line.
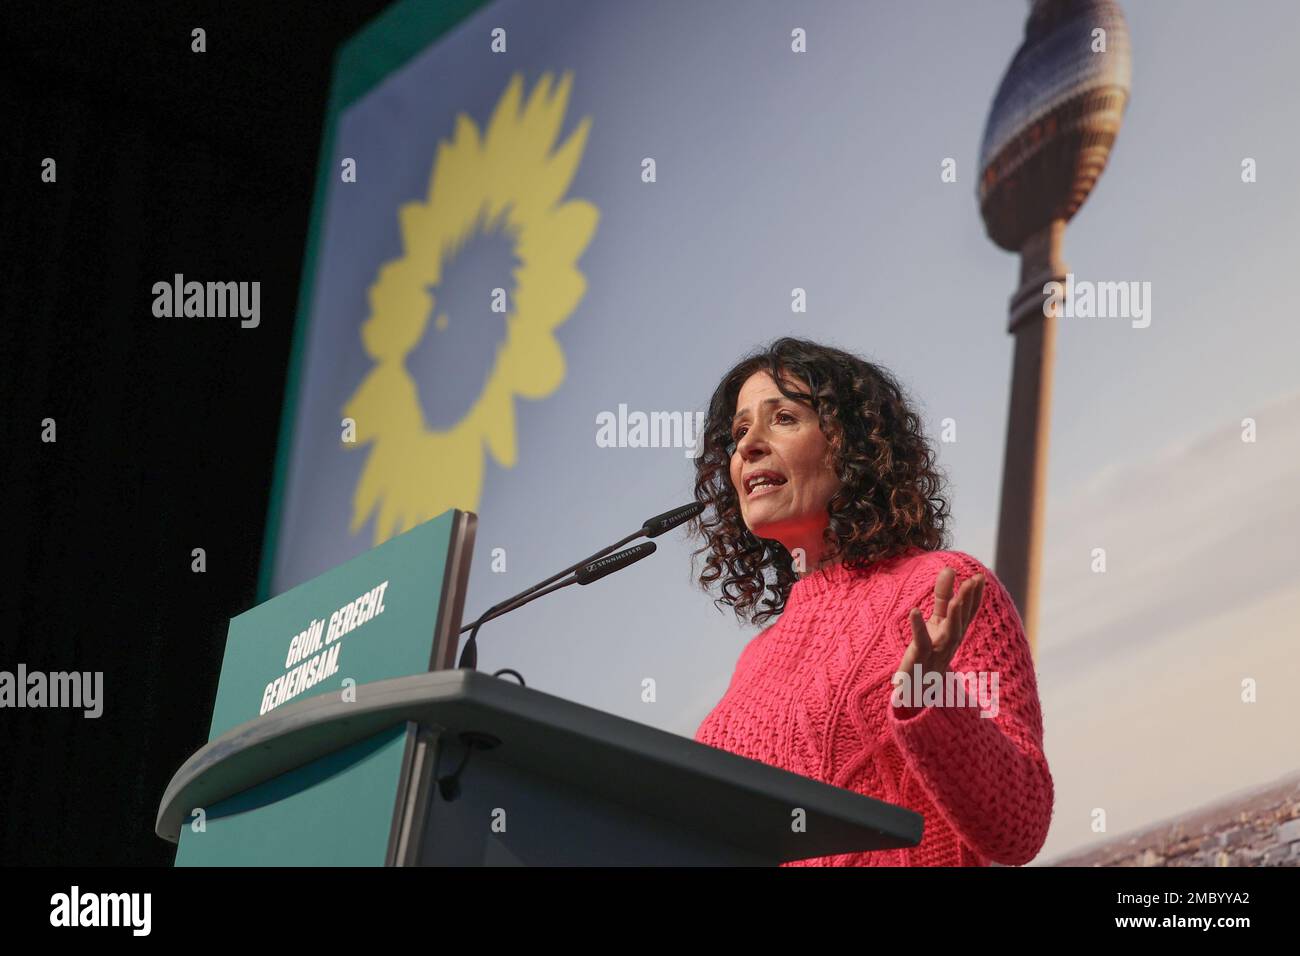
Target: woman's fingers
[(920, 634), (967, 604), (960, 612), (942, 594), (979, 596), (951, 618), (956, 610), (976, 596), (952, 624), (972, 590)]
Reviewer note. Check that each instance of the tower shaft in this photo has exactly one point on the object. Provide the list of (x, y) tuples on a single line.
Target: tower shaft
[(1021, 520)]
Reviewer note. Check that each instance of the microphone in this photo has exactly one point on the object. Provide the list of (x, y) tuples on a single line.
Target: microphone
[(671, 519), (651, 528), (586, 574), (615, 562)]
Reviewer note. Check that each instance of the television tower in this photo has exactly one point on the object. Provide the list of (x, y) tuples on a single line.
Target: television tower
[(1048, 136)]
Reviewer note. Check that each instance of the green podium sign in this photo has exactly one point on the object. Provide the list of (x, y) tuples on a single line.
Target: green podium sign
[(390, 612)]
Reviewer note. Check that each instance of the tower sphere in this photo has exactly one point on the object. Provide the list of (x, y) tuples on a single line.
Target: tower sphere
[(1054, 118)]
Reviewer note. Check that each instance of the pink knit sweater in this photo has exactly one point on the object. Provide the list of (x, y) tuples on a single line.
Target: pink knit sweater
[(811, 694)]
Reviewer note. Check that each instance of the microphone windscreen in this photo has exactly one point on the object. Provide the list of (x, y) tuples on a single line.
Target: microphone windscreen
[(614, 562), (671, 519)]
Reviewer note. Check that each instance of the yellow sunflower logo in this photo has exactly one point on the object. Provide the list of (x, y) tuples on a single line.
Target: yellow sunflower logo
[(503, 190)]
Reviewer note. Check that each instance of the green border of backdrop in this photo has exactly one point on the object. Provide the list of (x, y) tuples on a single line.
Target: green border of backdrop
[(362, 63)]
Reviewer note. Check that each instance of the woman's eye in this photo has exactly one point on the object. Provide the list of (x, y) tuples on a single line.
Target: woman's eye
[(739, 433)]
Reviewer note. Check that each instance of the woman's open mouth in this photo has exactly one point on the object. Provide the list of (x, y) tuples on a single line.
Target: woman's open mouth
[(762, 482)]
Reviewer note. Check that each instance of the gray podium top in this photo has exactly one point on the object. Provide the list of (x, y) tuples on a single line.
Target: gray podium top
[(690, 785)]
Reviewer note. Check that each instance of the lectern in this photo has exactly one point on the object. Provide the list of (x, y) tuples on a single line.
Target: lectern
[(454, 767)]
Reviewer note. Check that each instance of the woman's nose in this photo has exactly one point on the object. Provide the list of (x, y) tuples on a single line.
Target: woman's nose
[(752, 443)]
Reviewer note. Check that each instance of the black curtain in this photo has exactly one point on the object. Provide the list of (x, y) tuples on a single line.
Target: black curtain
[(168, 161)]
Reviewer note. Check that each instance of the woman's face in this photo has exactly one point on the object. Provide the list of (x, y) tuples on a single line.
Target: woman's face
[(781, 438)]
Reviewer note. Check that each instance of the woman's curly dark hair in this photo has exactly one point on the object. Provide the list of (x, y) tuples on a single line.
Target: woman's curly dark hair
[(891, 496)]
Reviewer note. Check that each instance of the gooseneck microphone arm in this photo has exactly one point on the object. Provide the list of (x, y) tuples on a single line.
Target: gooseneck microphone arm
[(496, 610), (584, 575), (652, 528)]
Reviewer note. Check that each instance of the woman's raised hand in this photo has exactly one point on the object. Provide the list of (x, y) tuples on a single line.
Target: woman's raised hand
[(934, 642)]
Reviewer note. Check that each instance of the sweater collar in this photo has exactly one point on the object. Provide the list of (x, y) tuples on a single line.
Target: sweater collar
[(824, 581), (835, 578)]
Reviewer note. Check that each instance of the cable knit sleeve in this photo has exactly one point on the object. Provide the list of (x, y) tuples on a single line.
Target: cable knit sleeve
[(988, 775)]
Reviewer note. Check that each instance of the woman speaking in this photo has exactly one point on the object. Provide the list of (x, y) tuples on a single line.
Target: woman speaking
[(815, 469)]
